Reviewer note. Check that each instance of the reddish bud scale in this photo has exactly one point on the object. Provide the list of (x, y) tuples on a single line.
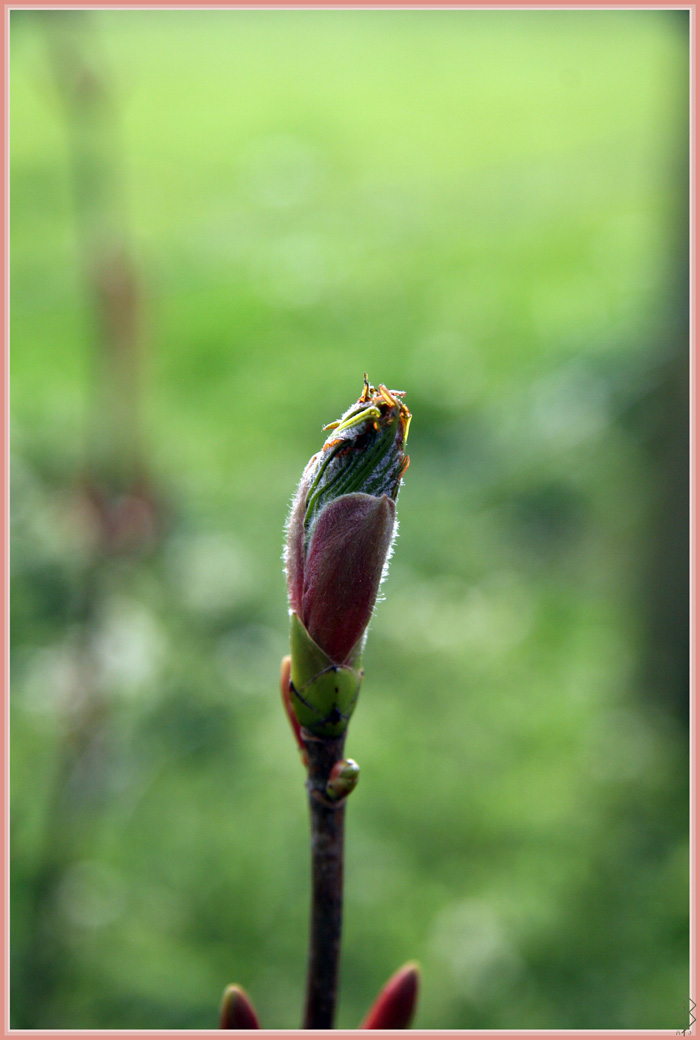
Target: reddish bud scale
[(286, 691)]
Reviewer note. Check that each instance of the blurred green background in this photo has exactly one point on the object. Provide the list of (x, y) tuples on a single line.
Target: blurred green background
[(220, 220)]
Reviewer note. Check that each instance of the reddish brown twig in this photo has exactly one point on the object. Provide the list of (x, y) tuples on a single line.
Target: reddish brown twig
[(327, 827)]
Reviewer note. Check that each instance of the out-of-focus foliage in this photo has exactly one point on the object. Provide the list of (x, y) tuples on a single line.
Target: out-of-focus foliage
[(487, 209)]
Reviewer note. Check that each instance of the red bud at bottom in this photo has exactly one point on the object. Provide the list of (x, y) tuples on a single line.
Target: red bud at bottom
[(395, 1006), (237, 1011)]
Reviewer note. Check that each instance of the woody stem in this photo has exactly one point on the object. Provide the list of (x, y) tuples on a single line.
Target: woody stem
[(327, 829)]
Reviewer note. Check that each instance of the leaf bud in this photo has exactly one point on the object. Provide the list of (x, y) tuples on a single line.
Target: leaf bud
[(339, 537)]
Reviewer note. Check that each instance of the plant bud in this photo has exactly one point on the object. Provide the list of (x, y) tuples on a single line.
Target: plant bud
[(237, 1012), (343, 779), (396, 1004), (339, 536)]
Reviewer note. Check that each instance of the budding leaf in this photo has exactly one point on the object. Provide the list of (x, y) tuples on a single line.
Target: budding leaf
[(339, 537)]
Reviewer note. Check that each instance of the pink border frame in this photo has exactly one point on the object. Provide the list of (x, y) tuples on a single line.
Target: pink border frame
[(694, 989)]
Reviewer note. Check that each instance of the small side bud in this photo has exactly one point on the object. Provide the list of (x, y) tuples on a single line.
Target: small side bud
[(237, 1011), (343, 779), (396, 1004)]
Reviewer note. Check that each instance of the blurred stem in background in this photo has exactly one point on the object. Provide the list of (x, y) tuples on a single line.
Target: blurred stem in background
[(666, 658), (118, 484), (115, 494)]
